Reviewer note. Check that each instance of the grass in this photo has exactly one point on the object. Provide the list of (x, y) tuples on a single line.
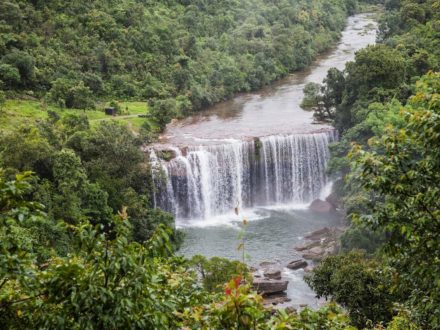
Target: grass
[(26, 112)]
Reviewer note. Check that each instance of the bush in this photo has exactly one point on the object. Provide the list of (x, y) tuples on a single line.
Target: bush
[(9, 75), (71, 94), (359, 284), (163, 111), (215, 272)]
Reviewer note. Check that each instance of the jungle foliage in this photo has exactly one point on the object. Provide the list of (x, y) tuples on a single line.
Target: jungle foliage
[(194, 52), (385, 105), (108, 281)]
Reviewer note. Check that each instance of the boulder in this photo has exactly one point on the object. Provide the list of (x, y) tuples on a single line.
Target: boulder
[(268, 286), (297, 264), (321, 206), (271, 270), (272, 273)]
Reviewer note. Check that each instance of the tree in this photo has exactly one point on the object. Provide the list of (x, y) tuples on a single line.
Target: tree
[(24, 63), (375, 75), (215, 272), (106, 282), (26, 150), (9, 75), (312, 96), (360, 285), (2, 99), (162, 111), (71, 94), (401, 175)]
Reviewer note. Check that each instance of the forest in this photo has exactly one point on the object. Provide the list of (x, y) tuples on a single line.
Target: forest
[(81, 246), (181, 56)]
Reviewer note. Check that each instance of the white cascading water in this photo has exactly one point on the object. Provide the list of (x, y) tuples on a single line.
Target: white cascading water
[(206, 181)]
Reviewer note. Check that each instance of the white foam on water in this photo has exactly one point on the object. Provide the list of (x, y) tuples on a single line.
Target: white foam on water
[(229, 219)]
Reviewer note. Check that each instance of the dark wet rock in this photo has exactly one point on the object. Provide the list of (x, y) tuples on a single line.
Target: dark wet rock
[(321, 206), (297, 264), (268, 286)]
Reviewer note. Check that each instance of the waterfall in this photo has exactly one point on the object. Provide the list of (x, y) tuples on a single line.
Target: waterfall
[(204, 181)]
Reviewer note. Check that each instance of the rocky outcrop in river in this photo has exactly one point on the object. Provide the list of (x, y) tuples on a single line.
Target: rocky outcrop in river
[(320, 243)]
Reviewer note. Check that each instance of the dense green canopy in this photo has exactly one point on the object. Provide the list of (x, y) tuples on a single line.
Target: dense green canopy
[(200, 51)]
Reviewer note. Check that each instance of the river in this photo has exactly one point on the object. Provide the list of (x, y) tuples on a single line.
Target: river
[(259, 152)]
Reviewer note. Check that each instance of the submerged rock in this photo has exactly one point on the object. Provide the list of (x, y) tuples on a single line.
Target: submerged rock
[(269, 286), (321, 206)]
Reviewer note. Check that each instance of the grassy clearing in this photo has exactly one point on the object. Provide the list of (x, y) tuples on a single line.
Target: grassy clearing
[(26, 112)]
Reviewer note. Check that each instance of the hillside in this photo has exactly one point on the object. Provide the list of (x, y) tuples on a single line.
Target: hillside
[(189, 53)]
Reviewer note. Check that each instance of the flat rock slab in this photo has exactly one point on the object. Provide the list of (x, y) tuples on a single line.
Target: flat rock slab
[(268, 286)]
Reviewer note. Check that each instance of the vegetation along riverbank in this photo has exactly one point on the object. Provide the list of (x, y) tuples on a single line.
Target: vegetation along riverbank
[(81, 245)]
